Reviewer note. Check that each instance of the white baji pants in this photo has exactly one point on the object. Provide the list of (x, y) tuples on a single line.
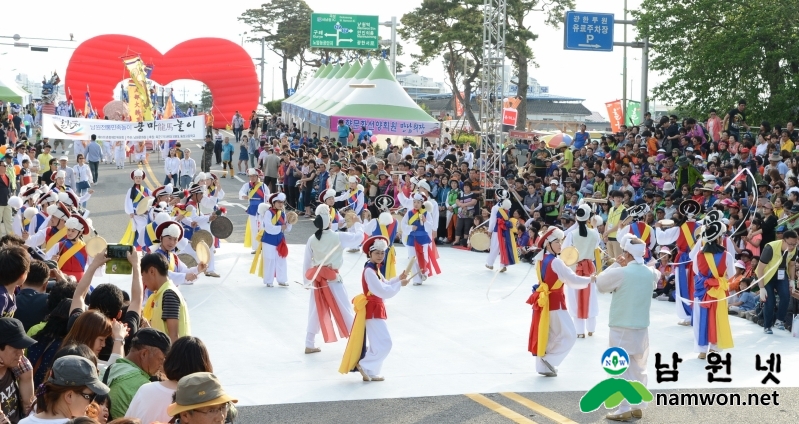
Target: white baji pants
[(696, 313), (636, 343), (412, 256), (581, 325), (493, 251), (379, 345), (344, 305), (253, 231), (140, 225), (275, 267), (119, 157), (562, 337)]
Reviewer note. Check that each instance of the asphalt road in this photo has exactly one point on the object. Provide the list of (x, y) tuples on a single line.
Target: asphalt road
[(547, 407)]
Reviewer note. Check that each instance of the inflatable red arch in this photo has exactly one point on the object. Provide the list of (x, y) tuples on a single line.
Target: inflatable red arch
[(222, 65)]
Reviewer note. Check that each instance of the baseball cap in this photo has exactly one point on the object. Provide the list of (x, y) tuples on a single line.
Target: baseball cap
[(63, 158), (12, 333), (198, 390), (152, 337), (76, 371), (740, 264)]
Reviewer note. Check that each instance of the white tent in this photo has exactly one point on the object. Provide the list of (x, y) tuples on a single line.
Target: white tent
[(10, 92), (343, 90)]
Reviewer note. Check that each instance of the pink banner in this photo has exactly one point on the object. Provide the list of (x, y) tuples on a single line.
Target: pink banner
[(386, 126)]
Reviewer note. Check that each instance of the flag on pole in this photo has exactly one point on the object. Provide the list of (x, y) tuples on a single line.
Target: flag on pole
[(169, 109), (88, 110), (70, 102)]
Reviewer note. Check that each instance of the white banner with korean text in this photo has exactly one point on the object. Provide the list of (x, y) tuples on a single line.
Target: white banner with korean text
[(66, 128)]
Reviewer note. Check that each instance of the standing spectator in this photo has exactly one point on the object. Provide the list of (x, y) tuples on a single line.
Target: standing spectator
[(252, 149), (238, 126), (172, 168), (45, 156), (218, 146), (6, 189), (209, 123), (290, 180), (13, 341), (735, 119), (94, 154), (45, 177), (69, 178), (188, 167), (83, 177), (208, 151), (254, 123), (32, 299), (581, 137), (244, 156), (714, 126), (227, 157), (343, 132), (270, 165), (124, 377), (166, 310)]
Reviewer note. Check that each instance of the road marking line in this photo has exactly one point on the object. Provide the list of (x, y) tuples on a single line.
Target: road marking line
[(499, 409), (239, 179), (147, 181), (552, 415)]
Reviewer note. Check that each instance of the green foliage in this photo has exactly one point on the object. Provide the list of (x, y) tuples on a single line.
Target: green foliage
[(424, 107), (716, 52), (285, 26), (274, 107), (206, 100)]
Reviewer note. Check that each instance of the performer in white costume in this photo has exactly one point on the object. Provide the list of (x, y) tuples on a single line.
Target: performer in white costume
[(273, 248), (583, 304), (255, 192), (320, 268), (631, 283)]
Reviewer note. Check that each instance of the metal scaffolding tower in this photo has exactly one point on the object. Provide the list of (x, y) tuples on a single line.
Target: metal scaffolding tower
[(492, 93)]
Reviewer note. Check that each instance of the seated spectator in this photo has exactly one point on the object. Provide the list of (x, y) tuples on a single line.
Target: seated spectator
[(125, 376), (746, 299), (71, 388), (187, 355), (198, 397)]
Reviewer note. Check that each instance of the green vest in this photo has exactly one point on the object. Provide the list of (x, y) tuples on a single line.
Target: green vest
[(629, 307)]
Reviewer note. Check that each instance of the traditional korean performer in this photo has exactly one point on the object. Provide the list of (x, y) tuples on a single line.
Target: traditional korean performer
[(169, 236), (370, 315), (195, 218), (683, 236), (16, 204), (385, 225), (329, 303), (639, 229), (135, 232), (150, 236), (46, 198), (353, 196), (255, 192), (140, 152), (120, 149), (328, 197), (273, 250), (70, 253), (583, 304), (712, 266), (552, 333), (423, 187), (50, 235), (503, 237), (631, 283), (416, 226)]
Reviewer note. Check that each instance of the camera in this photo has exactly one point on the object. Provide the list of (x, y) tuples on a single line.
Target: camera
[(118, 251)]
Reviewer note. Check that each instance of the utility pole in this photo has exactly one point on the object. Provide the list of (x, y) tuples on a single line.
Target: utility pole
[(624, 71), (261, 96), (393, 56), (273, 83)]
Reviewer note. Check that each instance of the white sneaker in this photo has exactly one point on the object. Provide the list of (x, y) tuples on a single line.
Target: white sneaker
[(663, 297)]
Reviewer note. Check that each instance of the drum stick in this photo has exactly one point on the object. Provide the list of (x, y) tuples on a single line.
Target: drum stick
[(409, 268)]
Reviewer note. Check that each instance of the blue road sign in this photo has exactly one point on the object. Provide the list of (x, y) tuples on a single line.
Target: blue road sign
[(290, 91), (588, 31)]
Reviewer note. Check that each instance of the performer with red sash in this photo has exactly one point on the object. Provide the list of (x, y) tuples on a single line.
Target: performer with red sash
[(273, 248), (639, 229), (422, 186), (683, 236), (583, 304), (503, 237), (712, 266), (552, 333), (353, 196), (255, 192), (169, 235), (370, 315), (70, 253), (321, 264), (417, 225), (385, 225), (328, 197)]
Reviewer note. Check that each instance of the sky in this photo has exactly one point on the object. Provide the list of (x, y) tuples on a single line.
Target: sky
[(594, 76)]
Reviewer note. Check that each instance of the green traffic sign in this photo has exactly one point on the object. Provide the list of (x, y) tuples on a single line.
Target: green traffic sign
[(330, 31)]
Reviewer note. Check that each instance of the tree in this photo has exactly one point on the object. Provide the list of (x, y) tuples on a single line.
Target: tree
[(518, 37), (285, 26), (716, 52), (206, 100), (274, 107), (449, 29)]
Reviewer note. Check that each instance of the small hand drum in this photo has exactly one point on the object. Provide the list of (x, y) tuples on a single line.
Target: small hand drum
[(569, 255)]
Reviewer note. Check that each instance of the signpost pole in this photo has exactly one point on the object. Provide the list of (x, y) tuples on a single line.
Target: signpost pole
[(624, 71), (261, 97), (644, 76), (394, 46)]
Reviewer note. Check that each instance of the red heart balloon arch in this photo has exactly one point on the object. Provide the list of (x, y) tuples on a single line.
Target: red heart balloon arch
[(224, 66)]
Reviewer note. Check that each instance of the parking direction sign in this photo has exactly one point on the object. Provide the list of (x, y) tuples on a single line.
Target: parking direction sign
[(588, 31), (290, 91), (331, 31)]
